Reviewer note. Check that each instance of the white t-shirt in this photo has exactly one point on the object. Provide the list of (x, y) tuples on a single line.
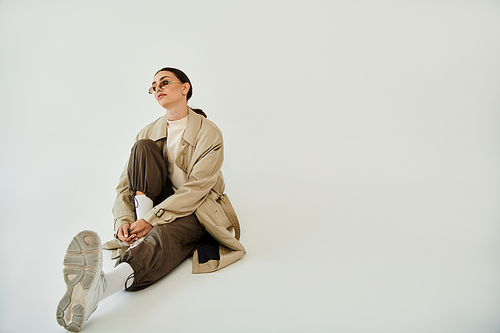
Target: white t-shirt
[(175, 130)]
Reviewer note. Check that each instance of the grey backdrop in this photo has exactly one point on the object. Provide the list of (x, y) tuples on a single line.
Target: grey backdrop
[(362, 157)]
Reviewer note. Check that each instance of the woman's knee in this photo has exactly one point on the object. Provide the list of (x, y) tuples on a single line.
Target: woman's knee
[(144, 144), (147, 170)]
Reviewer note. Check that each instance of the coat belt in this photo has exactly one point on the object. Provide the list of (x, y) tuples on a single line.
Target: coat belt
[(230, 213)]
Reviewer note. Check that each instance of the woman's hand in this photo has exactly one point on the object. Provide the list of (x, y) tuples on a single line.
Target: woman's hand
[(124, 234), (140, 228)]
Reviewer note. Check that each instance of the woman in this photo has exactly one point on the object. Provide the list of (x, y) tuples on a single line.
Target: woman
[(169, 205)]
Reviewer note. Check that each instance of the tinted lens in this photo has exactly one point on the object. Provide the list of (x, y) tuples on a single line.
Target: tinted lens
[(163, 84)]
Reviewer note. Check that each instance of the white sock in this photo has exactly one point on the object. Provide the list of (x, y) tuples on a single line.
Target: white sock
[(117, 279), (142, 205)]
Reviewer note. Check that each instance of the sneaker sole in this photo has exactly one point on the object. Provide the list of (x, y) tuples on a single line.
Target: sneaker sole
[(82, 265)]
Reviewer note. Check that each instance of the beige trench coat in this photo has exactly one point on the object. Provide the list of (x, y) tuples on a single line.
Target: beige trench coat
[(201, 158)]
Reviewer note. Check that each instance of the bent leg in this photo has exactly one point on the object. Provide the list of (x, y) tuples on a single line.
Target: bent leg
[(163, 248), (147, 171)]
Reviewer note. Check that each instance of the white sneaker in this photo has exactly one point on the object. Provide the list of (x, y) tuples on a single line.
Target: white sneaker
[(84, 281)]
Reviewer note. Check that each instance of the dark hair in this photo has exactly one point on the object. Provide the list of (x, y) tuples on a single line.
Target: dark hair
[(183, 78)]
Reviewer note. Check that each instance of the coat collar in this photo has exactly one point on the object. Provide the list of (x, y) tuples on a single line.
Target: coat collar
[(193, 126)]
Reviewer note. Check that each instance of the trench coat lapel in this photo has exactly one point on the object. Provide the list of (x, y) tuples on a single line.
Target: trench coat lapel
[(159, 130), (193, 126)]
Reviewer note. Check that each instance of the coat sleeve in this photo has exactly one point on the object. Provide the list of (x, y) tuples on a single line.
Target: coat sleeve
[(203, 172), (123, 207)]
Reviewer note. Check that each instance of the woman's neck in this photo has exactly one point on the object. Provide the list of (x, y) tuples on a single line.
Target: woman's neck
[(176, 113)]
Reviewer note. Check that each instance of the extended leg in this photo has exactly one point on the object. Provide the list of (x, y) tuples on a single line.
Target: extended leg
[(165, 247), (84, 281)]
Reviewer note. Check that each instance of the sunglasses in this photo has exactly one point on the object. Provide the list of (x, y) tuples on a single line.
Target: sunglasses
[(161, 85)]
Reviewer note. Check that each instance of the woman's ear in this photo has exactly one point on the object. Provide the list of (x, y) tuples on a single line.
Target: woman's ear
[(185, 88)]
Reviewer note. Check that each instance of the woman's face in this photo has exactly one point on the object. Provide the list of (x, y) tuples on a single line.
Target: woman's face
[(172, 94)]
